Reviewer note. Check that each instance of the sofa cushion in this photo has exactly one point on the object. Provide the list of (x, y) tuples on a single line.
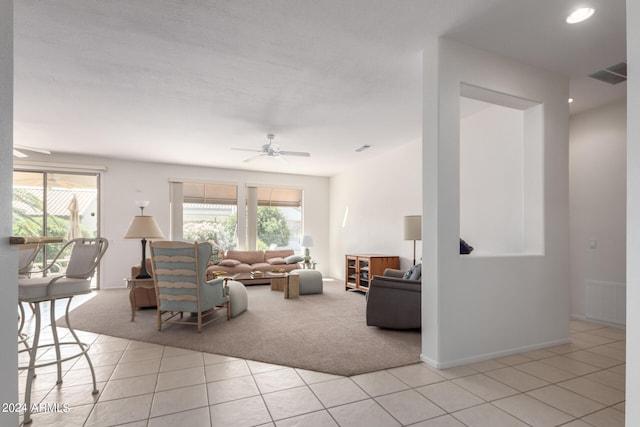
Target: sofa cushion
[(278, 253), (229, 262), (246, 257), (262, 266), (292, 259), (276, 261)]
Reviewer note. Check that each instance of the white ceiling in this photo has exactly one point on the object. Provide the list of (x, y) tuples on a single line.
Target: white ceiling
[(185, 81)]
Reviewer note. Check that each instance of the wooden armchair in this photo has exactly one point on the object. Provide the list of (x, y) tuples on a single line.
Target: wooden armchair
[(179, 271)]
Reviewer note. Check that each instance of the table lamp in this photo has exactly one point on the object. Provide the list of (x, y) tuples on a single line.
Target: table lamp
[(307, 242)]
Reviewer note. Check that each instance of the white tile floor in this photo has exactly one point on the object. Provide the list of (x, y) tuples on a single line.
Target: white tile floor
[(576, 385)]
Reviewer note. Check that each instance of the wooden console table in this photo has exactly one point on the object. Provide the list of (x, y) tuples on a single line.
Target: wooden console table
[(360, 269)]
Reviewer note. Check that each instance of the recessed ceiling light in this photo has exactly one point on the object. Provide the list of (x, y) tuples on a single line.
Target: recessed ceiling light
[(570, 100), (580, 15)]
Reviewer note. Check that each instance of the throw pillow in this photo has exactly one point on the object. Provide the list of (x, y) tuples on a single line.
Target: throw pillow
[(465, 248), (409, 272), (229, 262), (417, 273), (292, 259), (216, 254), (276, 261)]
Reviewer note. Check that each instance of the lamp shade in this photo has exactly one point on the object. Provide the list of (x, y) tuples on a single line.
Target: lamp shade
[(143, 227), (413, 227), (307, 241)]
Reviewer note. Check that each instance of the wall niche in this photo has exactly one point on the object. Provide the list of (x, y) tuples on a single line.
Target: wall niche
[(501, 173)]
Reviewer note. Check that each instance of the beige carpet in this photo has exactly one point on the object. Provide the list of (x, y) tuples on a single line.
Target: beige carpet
[(324, 332)]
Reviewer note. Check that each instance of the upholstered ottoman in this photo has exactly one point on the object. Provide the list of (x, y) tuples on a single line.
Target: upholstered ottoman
[(238, 297), (310, 281)]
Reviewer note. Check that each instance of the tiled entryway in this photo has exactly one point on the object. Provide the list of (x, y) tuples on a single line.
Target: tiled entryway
[(577, 385)]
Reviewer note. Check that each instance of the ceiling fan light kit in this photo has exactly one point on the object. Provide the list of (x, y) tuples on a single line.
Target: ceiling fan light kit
[(272, 150)]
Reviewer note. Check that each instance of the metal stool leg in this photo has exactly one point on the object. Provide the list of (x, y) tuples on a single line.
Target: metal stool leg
[(83, 347), (32, 366), (56, 340), (23, 338)]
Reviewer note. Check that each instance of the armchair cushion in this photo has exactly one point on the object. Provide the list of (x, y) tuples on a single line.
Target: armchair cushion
[(37, 288)]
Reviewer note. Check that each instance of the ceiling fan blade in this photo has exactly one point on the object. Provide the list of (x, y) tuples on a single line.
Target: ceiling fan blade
[(35, 150), (252, 158), (281, 159), (247, 149), (295, 153), (19, 154)]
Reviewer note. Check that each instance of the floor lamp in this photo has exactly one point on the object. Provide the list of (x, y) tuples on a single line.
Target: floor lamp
[(413, 231), (143, 227)]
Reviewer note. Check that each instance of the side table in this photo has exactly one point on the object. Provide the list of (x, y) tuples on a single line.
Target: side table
[(132, 284), (292, 287), (311, 265)]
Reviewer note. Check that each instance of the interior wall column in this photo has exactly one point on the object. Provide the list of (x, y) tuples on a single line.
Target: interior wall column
[(430, 283), (252, 218), (176, 200), (8, 254), (632, 406)]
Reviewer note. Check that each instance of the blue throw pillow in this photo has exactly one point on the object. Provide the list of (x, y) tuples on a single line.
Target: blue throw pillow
[(409, 272), (417, 273)]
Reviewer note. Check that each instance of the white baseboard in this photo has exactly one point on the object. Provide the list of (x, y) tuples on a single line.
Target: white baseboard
[(599, 322), (489, 356)]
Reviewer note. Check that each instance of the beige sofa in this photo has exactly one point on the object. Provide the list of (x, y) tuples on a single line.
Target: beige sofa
[(235, 262)]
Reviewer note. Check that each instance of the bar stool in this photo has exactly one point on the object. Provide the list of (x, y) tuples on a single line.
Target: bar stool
[(84, 259), (27, 253)]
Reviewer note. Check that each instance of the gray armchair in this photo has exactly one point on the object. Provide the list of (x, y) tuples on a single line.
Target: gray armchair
[(394, 302)]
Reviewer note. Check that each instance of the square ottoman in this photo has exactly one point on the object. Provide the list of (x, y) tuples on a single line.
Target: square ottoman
[(310, 281), (238, 297)]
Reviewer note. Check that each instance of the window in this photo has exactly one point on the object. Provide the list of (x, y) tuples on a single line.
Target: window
[(210, 213), (270, 218), (55, 204), (278, 218)]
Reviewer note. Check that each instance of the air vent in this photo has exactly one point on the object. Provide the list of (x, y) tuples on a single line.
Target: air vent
[(613, 75), (364, 147)]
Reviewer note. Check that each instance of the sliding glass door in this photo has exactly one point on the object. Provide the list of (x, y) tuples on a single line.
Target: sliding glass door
[(55, 204)]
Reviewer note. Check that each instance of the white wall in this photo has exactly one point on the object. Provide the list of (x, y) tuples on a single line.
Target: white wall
[(632, 406), (474, 307), (491, 179), (8, 254), (378, 192), (598, 203), (124, 181)]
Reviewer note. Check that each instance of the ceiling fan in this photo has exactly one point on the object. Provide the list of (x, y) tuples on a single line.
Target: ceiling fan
[(272, 150), (18, 151)]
